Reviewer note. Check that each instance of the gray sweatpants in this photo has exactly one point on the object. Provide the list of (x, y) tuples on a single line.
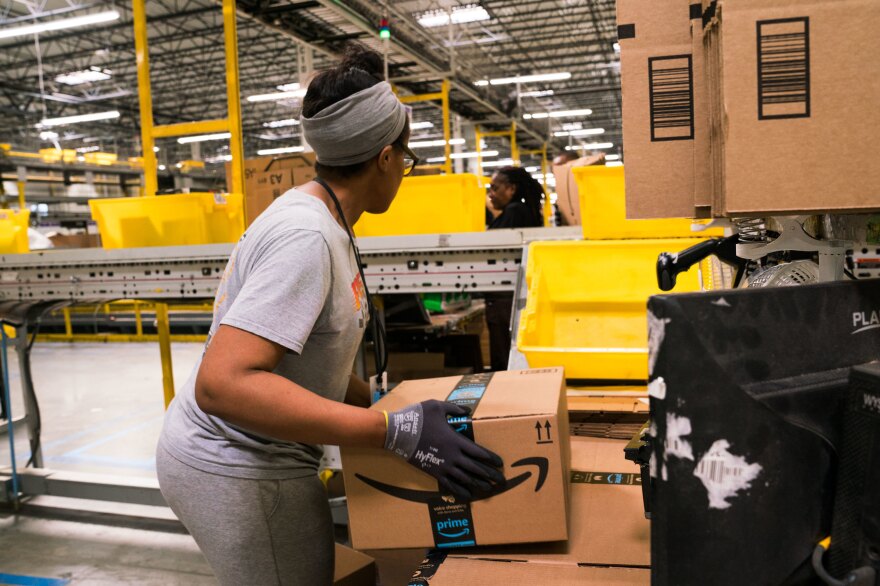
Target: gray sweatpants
[(255, 532)]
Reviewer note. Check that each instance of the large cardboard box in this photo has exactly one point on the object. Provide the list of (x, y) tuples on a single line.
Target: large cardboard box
[(659, 125), (568, 201), (266, 178), (353, 568), (609, 539), (799, 86), (701, 161), (520, 415)]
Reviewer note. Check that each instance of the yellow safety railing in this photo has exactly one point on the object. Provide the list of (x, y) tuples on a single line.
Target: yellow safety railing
[(510, 134), (443, 96)]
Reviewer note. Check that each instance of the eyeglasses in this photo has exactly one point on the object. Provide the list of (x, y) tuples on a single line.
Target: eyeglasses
[(410, 160)]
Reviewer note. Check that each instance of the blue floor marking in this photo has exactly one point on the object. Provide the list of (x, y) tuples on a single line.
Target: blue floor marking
[(111, 437), (99, 427), (19, 580)]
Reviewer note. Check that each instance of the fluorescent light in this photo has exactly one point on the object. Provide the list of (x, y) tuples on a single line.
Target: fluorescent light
[(614, 164), (288, 87), (616, 47), (501, 163), (558, 114), (531, 169), (161, 167), (218, 159), (281, 151), (61, 23), (481, 82), (85, 76), (421, 125), (281, 123), (472, 155), (460, 15), (287, 136), (48, 135), (204, 137), (612, 157), (536, 94), (434, 143), (277, 96), (581, 132), (559, 76), (90, 149), (590, 146), (155, 149), (79, 118), (572, 126)]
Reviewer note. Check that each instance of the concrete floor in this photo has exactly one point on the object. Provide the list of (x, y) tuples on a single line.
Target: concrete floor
[(102, 409)]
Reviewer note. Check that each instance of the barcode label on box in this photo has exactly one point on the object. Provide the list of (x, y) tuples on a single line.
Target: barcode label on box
[(783, 68), (671, 86)]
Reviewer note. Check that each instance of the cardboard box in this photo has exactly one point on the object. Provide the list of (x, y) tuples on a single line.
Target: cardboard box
[(520, 415), (609, 539), (799, 97), (266, 178), (656, 70), (81, 240), (568, 200), (353, 568), (475, 572), (701, 161)]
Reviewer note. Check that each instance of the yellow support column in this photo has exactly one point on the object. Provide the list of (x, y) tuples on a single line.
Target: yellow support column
[(478, 137), (446, 134), (20, 186), (233, 98), (548, 205), (138, 320), (164, 330), (151, 179), (514, 153), (68, 327)]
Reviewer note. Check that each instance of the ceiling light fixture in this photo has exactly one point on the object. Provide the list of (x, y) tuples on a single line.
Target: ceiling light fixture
[(434, 143), (471, 155), (501, 163), (536, 94), (612, 157), (460, 15), (592, 146), (281, 123), (558, 114), (281, 151), (614, 164), (61, 23), (421, 125), (274, 97), (85, 76), (557, 76), (79, 118), (203, 137), (580, 132), (288, 87), (48, 135)]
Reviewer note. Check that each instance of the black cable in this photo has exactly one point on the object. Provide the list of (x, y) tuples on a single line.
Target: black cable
[(379, 336)]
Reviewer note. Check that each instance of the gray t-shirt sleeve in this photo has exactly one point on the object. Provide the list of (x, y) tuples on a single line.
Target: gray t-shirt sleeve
[(283, 288)]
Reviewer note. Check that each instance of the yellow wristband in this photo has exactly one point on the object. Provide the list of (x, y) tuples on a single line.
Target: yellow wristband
[(385, 413)]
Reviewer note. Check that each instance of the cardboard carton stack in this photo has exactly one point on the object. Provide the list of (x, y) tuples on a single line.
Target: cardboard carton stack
[(608, 540), (751, 107), (266, 178)]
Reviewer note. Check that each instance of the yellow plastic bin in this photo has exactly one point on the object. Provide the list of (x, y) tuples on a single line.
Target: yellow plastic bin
[(169, 220), (430, 204), (603, 210), (14, 231), (587, 305)]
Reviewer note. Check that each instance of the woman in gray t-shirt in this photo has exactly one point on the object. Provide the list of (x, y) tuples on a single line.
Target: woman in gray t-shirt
[(238, 454)]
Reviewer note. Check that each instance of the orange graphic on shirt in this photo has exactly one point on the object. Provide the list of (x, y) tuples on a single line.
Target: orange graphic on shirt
[(360, 297)]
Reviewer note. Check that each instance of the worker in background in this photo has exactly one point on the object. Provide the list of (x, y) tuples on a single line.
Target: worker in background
[(239, 450), (519, 196)]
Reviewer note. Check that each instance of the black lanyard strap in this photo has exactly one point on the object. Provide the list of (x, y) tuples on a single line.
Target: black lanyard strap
[(378, 329)]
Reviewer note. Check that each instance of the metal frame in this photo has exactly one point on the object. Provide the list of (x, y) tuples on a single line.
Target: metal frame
[(510, 134), (443, 96)]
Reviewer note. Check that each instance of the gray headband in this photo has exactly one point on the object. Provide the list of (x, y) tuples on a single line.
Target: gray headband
[(357, 128)]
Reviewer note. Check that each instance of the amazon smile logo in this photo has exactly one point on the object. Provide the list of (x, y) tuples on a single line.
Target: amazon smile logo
[(865, 320), (426, 496)]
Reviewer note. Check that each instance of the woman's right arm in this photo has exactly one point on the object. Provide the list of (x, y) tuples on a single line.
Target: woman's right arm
[(236, 383)]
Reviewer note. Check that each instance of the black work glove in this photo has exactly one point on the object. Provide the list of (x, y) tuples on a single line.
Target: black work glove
[(421, 435)]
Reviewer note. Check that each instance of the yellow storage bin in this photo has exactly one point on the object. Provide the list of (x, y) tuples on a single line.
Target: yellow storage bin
[(430, 204), (603, 210), (14, 231), (168, 220), (587, 305)]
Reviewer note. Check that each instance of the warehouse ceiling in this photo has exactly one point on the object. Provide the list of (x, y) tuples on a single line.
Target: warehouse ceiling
[(281, 41)]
